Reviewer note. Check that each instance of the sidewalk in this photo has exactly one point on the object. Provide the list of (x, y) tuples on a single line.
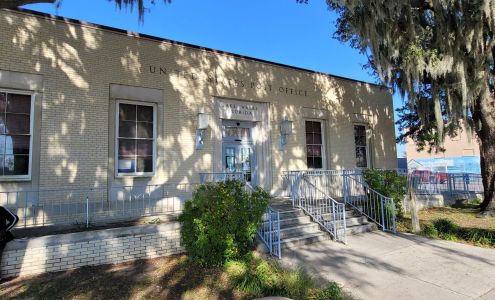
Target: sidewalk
[(379, 265)]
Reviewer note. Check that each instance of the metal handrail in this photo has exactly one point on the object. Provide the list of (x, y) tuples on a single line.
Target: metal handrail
[(374, 205), (269, 231), (323, 209)]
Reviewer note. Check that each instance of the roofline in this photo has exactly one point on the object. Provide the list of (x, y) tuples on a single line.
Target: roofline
[(159, 39)]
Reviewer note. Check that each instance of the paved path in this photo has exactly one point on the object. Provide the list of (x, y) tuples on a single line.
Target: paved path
[(385, 266)]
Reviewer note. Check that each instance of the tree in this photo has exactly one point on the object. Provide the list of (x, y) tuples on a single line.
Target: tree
[(141, 4), (439, 55)]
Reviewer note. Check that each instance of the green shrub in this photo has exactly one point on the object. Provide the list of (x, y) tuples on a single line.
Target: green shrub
[(219, 222), (430, 231), (445, 226), (447, 230), (388, 183), (478, 236), (261, 278), (331, 292)]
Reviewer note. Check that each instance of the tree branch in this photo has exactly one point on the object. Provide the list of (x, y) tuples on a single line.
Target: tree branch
[(17, 3)]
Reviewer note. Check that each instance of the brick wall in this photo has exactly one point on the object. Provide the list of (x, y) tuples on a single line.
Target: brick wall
[(68, 251), (79, 62)]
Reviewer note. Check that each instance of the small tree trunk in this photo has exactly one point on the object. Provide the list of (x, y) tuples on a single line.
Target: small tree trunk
[(414, 210)]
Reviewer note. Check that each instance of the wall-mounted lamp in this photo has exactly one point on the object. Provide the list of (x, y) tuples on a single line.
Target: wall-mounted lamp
[(285, 131), (203, 121)]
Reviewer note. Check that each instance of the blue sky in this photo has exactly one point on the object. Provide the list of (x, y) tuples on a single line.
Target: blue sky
[(276, 30)]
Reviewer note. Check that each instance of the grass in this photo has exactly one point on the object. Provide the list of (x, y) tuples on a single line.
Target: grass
[(460, 224), (173, 277)]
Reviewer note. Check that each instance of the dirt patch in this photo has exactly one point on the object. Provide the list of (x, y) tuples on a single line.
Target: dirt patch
[(464, 217), (170, 277)]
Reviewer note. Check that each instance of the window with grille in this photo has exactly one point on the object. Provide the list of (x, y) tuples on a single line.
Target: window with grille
[(15, 135), (136, 139), (314, 144)]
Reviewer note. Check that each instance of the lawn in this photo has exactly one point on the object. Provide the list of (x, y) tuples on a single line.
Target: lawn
[(460, 224), (172, 277)]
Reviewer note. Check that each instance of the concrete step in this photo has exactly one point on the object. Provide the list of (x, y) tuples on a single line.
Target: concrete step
[(301, 240), (288, 222), (299, 230), (291, 213), (352, 221), (356, 229), (348, 214)]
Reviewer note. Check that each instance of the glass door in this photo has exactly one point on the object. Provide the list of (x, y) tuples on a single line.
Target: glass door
[(238, 148), (246, 161)]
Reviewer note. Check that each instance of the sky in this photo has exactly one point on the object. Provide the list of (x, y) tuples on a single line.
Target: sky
[(282, 31)]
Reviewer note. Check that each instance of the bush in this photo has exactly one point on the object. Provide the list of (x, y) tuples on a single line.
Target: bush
[(333, 291), (388, 183), (219, 222), (445, 226), (447, 230), (260, 278), (430, 231)]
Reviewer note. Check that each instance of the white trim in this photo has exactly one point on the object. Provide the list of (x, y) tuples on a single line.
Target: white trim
[(31, 128), (116, 152), (323, 143)]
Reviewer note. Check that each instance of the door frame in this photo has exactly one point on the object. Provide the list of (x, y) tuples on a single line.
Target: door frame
[(261, 135)]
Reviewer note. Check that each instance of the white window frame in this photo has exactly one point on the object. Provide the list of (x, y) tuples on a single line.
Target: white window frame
[(31, 128), (323, 144), (155, 121), (368, 144)]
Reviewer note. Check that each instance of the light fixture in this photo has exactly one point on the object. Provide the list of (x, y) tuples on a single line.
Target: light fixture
[(285, 131), (203, 121)]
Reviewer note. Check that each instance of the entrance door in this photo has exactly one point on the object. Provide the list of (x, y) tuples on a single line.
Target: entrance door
[(238, 148)]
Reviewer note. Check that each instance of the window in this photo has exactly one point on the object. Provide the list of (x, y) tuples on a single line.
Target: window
[(136, 139), (314, 144), (360, 140), (15, 135)]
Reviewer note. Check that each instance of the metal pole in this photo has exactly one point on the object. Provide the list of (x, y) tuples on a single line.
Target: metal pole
[(278, 236), (383, 215), (270, 231), (345, 225), (87, 211)]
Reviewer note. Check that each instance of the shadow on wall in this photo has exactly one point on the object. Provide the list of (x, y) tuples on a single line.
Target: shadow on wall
[(79, 63)]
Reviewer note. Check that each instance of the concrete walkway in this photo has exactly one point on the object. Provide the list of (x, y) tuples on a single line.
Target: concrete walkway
[(378, 265)]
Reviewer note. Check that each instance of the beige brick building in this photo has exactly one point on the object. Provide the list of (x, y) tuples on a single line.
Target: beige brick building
[(88, 106)]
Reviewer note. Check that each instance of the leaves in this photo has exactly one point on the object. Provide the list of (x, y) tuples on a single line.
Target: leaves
[(439, 55), (388, 183), (219, 222)]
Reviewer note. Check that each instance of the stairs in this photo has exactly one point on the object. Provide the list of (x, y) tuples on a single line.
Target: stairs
[(297, 228)]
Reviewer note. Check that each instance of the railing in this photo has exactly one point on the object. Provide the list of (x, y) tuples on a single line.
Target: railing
[(330, 181), (446, 183), (375, 206), (269, 231), (89, 206), (323, 209), (220, 176)]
